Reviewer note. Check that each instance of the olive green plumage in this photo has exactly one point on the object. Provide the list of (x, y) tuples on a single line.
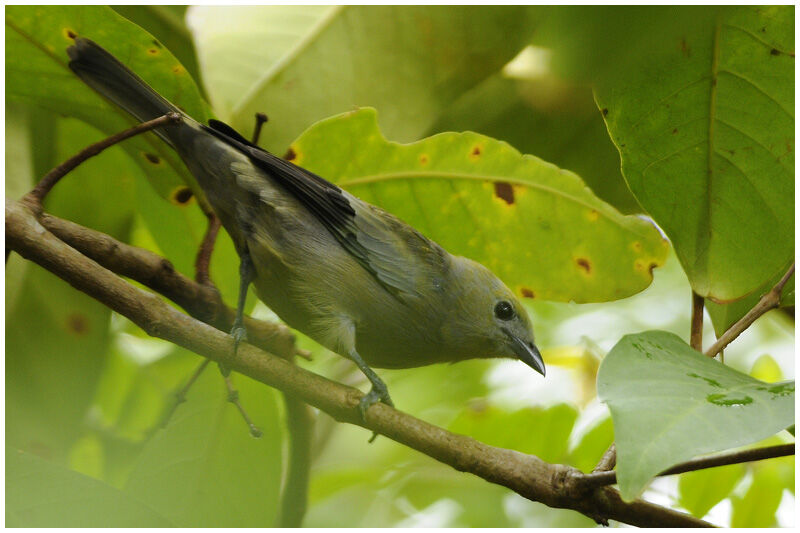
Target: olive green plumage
[(350, 275)]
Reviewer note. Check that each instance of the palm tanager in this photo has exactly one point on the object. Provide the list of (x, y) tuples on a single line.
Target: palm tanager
[(351, 276)]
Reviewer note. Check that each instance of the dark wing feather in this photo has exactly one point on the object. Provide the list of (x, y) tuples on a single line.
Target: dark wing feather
[(398, 256)]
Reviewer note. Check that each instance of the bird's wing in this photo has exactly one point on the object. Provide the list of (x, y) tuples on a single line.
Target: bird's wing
[(397, 255)]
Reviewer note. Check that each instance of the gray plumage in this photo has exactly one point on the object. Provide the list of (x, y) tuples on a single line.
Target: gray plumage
[(350, 275)]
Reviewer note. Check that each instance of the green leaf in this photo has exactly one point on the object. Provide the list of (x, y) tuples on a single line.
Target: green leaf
[(508, 430), (41, 494), (699, 491), (167, 24), (238, 46), (409, 62), (705, 127), (536, 226), (670, 403), (758, 506), (556, 121), (37, 38), (205, 469)]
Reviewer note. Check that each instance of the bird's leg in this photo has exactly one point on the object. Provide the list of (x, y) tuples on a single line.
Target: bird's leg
[(378, 393), (238, 331)]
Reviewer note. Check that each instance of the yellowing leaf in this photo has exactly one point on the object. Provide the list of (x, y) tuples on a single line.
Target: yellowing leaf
[(536, 226)]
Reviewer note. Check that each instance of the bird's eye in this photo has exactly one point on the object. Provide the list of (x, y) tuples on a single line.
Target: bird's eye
[(504, 310)]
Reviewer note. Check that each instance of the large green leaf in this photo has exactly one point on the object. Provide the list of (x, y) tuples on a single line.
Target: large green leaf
[(536, 226), (37, 38), (238, 46), (409, 62), (705, 127), (670, 403), (42, 494), (553, 119), (205, 469), (167, 24)]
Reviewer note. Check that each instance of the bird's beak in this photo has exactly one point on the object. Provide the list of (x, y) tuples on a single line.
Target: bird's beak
[(527, 352)]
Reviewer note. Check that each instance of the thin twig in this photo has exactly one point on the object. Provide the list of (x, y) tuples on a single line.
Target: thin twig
[(729, 458), (203, 258), (44, 186), (261, 119), (551, 484), (608, 461), (696, 335), (769, 301), (179, 397), (233, 397)]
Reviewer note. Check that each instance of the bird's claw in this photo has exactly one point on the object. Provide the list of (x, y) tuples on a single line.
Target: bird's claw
[(239, 334), (376, 394)]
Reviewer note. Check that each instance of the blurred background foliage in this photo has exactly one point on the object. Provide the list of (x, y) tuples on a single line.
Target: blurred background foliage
[(85, 389)]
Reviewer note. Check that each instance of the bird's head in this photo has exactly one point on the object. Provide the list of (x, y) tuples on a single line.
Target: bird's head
[(486, 319)]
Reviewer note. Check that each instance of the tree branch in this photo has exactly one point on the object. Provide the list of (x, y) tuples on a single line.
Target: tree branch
[(553, 485), (729, 458), (199, 300), (769, 301)]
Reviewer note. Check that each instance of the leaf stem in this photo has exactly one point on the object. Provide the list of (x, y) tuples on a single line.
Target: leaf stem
[(696, 336)]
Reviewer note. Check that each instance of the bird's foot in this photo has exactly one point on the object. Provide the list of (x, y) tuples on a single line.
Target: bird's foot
[(239, 334), (378, 393)]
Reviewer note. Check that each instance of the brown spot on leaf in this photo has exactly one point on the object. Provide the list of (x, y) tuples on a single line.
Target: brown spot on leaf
[(637, 245), (423, 159), (527, 293), (504, 191), (604, 111), (78, 324), (182, 195), (290, 154), (775, 52), (69, 33), (584, 263), (153, 158), (685, 49), (178, 69), (476, 151), (153, 51), (674, 131)]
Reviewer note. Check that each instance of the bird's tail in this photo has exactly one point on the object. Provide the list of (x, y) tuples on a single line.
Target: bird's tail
[(105, 74)]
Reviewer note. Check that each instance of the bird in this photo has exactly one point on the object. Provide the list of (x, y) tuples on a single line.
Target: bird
[(350, 275)]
